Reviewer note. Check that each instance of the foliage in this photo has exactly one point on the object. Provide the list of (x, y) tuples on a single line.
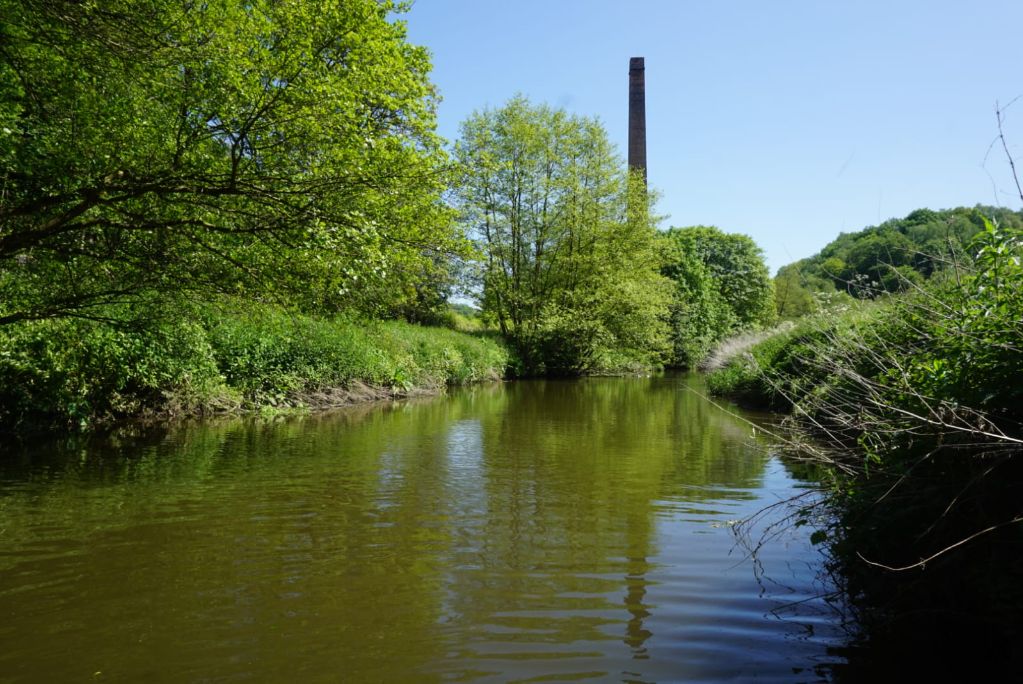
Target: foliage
[(284, 149), (700, 315), (743, 379), (919, 401), (269, 353), (722, 286), (463, 318), (791, 298), (897, 255), (79, 372), (74, 372), (568, 272), (781, 367)]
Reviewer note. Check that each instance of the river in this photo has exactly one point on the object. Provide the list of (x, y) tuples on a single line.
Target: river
[(527, 531)]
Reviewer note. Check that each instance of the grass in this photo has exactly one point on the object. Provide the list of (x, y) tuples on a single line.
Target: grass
[(224, 358)]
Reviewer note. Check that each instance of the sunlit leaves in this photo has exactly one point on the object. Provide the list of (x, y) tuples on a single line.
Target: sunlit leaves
[(565, 272), (284, 149), (722, 286)]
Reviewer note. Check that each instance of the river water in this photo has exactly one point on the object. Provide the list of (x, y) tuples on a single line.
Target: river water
[(527, 531)]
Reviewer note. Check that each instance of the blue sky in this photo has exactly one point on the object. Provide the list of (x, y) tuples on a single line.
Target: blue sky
[(788, 121)]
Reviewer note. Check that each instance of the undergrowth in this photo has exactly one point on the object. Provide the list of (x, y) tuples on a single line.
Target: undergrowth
[(915, 404), (217, 358)]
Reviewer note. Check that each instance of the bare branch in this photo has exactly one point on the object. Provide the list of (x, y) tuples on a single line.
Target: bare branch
[(921, 563), (1000, 116)]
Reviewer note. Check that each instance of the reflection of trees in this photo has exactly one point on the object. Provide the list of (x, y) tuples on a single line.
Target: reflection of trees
[(573, 470), (500, 522), (242, 548)]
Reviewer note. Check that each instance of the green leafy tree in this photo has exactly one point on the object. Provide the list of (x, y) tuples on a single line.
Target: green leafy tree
[(792, 298), (736, 264), (160, 147), (878, 256), (722, 286), (700, 316), (835, 269), (566, 272)]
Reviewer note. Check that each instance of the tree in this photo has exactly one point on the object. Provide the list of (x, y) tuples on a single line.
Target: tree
[(700, 316), (737, 265), (875, 256), (792, 299), (565, 272), (154, 147), (722, 286)]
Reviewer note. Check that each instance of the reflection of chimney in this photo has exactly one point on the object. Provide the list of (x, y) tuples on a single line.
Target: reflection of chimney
[(637, 116)]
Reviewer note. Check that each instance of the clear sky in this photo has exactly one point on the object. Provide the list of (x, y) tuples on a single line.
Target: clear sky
[(790, 121)]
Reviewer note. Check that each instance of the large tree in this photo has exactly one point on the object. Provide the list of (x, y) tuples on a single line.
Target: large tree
[(722, 286), (568, 275), (155, 146)]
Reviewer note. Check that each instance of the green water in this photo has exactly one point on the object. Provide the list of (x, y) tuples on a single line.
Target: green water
[(531, 531)]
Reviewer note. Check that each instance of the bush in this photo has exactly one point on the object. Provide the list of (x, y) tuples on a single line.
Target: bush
[(82, 372), (76, 372), (274, 357), (721, 287)]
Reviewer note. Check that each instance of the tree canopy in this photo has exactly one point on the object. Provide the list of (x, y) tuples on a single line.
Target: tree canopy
[(722, 286), (566, 272), (156, 146), (897, 254)]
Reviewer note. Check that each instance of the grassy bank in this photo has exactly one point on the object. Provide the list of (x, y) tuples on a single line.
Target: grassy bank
[(915, 403), (214, 359)]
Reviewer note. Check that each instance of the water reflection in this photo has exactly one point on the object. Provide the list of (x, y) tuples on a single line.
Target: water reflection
[(550, 529)]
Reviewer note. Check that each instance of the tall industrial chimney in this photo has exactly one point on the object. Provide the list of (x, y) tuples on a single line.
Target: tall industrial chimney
[(637, 116)]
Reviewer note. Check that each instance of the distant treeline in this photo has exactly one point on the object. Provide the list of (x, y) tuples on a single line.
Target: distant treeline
[(894, 256)]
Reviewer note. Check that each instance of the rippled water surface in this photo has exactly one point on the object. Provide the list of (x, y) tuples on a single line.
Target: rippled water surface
[(532, 531)]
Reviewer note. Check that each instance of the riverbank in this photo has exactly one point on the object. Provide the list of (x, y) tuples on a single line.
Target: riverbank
[(915, 405), (216, 359)]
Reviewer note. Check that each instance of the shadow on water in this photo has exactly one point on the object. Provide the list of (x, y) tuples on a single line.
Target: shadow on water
[(538, 530)]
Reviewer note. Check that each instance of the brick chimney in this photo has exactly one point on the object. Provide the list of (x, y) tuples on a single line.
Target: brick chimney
[(637, 116)]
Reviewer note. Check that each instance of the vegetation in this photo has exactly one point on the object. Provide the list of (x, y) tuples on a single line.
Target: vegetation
[(167, 149), (207, 206), (567, 272), (918, 399), (722, 287), (896, 256), (793, 297), (464, 318), (77, 372), (200, 203)]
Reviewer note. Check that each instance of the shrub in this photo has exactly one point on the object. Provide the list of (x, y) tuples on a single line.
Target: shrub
[(81, 372), (75, 372)]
